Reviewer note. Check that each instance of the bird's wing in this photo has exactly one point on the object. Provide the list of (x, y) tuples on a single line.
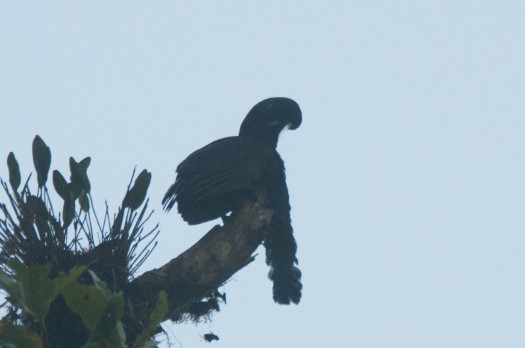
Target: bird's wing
[(209, 177)]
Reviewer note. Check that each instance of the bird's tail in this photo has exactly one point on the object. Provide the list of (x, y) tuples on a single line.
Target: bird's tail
[(280, 256)]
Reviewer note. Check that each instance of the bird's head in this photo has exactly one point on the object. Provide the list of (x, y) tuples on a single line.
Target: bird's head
[(268, 118)]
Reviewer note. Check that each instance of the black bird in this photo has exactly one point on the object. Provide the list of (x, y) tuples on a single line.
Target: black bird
[(221, 176)]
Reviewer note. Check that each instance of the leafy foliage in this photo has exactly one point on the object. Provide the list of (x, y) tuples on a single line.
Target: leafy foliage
[(158, 313), (99, 309), (18, 335), (65, 274)]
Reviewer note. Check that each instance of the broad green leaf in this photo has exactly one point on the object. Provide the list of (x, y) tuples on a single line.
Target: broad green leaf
[(84, 164), (108, 320), (9, 285), (91, 345), (83, 200), (14, 171), (156, 317), (61, 187), (41, 159), (68, 212), (159, 312), (136, 195), (64, 280), (18, 336), (79, 173), (150, 344), (37, 290), (33, 285), (117, 338), (86, 301), (74, 189)]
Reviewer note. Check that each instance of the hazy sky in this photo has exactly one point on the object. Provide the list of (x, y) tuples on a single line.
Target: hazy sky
[(407, 177)]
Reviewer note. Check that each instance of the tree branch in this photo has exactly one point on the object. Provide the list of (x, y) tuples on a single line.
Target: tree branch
[(205, 266)]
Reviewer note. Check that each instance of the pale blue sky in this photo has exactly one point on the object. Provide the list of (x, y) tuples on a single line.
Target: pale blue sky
[(407, 177)]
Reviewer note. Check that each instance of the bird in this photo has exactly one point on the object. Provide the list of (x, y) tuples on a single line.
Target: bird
[(220, 177)]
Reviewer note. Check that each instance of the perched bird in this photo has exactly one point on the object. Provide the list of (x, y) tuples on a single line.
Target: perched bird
[(221, 176)]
